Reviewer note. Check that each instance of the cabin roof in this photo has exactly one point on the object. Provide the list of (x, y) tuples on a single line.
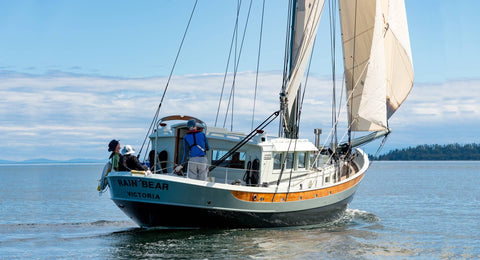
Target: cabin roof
[(284, 145)]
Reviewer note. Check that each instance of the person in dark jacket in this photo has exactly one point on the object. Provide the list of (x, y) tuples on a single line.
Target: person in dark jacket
[(195, 147), (131, 162)]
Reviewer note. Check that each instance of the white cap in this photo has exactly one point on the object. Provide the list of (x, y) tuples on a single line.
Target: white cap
[(128, 149)]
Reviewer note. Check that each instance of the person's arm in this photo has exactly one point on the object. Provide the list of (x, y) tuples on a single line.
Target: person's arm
[(138, 165)]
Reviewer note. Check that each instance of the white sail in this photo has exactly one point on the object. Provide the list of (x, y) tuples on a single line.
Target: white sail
[(377, 59), (307, 16)]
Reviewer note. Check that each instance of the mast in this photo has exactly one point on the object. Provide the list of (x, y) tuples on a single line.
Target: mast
[(305, 15), (290, 125), (284, 122)]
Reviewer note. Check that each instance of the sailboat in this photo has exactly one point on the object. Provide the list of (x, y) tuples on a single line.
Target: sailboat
[(256, 180)]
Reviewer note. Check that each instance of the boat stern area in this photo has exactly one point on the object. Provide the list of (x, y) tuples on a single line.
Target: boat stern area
[(269, 181)]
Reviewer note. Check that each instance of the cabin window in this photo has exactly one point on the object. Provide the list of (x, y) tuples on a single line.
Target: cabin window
[(311, 159), (237, 160), (277, 161), (301, 160), (289, 161)]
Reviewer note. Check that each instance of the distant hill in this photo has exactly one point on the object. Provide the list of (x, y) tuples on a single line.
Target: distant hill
[(6, 162), (86, 161), (39, 160), (48, 161), (434, 152)]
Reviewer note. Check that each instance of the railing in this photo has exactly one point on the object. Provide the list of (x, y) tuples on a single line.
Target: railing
[(235, 176), (219, 174)]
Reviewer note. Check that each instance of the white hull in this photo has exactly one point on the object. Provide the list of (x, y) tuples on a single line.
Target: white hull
[(173, 201)]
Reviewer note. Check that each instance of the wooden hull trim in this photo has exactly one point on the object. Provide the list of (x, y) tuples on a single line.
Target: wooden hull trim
[(294, 196)]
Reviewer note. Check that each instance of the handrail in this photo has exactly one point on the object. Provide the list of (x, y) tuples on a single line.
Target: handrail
[(180, 117), (225, 170)]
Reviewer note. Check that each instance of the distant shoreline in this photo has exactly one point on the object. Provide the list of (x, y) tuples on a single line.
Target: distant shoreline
[(425, 152), (47, 164), (50, 162), (433, 152)]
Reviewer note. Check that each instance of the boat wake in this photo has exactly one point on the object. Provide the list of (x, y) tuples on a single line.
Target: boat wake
[(356, 215), (30, 232), (351, 218), (98, 223)]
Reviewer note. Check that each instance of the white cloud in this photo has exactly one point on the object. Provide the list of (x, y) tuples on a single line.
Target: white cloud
[(451, 101), (64, 116)]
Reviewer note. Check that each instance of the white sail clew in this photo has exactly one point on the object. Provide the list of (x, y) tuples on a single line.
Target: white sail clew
[(307, 16), (377, 59)]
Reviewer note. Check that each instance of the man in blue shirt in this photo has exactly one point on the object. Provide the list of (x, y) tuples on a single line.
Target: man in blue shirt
[(195, 146)]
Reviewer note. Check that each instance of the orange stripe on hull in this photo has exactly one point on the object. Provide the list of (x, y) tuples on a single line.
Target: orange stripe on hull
[(295, 196)]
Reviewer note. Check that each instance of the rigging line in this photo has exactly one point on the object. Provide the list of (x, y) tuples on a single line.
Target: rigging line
[(305, 88), (233, 106), (228, 61), (169, 78), (335, 133), (302, 54), (294, 149), (228, 105), (380, 147), (342, 110), (300, 101), (281, 170), (246, 139), (331, 155), (353, 64), (145, 156), (237, 63), (288, 40), (342, 89), (332, 8), (232, 90), (258, 64), (355, 84)]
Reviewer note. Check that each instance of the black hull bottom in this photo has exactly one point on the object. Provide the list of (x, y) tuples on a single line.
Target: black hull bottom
[(157, 215)]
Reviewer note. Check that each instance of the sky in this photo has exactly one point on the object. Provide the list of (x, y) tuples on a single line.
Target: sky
[(76, 74)]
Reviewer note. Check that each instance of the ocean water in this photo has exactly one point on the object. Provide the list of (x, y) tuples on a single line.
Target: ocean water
[(402, 210)]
